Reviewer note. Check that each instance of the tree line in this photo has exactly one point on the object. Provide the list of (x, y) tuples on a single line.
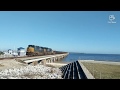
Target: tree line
[(1, 53)]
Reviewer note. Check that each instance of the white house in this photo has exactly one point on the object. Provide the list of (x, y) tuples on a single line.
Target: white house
[(21, 51)]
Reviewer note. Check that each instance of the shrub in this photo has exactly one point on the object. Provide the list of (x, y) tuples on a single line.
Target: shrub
[(1, 53)]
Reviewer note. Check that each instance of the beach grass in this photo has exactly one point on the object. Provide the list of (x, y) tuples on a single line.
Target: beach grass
[(103, 71)]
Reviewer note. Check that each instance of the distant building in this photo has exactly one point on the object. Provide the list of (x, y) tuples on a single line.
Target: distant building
[(15, 54), (10, 51), (21, 51)]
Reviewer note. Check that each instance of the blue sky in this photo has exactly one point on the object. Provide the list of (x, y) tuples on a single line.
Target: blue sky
[(71, 31)]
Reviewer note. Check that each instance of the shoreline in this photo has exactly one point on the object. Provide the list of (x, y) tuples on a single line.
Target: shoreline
[(103, 62)]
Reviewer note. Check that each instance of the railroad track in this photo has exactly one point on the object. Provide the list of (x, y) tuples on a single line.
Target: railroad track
[(21, 57), (18, 57), (72, 71), (13, 57)]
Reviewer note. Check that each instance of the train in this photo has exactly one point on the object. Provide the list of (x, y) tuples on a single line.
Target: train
[(33, 50)]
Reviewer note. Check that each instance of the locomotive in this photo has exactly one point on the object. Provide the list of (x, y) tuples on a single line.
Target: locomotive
[(33, 50)]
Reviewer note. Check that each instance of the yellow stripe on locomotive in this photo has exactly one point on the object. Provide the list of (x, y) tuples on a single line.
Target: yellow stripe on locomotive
[(30, 49)]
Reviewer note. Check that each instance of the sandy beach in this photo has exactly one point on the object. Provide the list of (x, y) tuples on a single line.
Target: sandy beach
[(12, 69), (7, 64)]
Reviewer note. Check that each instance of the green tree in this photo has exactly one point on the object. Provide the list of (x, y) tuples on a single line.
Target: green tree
[(1, 53)]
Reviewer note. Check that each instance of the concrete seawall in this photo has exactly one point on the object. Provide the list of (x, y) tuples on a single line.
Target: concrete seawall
[(86, 72)]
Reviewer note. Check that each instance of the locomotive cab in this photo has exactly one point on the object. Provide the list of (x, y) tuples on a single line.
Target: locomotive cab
[(30, 50)]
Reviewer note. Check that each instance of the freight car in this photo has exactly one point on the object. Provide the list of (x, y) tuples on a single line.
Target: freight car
[(33, 50)]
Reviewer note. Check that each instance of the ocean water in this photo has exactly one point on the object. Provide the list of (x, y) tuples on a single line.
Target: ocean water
[(98, 57)]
